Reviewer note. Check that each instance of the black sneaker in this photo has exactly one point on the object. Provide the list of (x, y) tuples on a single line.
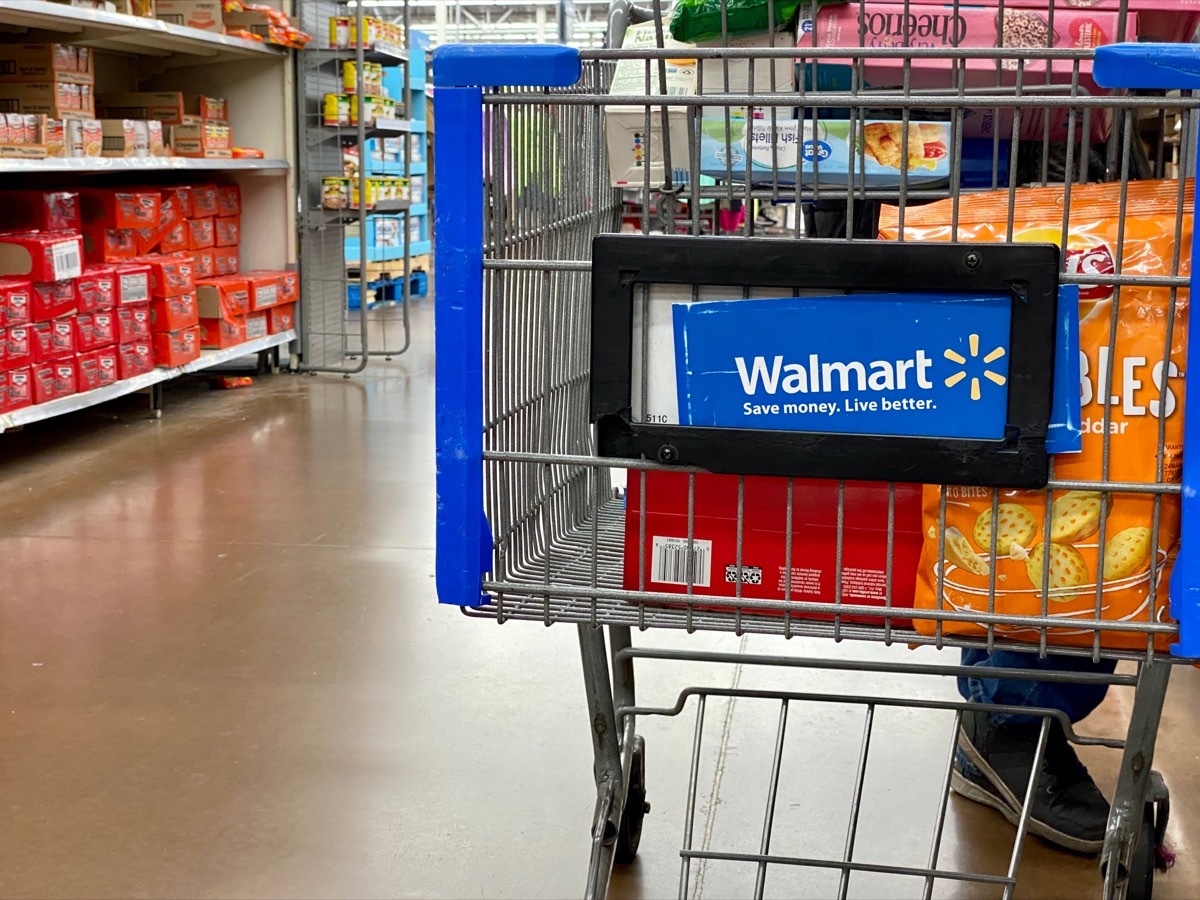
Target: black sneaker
[(992, 767)]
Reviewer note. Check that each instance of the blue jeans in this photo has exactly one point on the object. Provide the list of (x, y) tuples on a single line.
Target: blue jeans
[(1076, 700)]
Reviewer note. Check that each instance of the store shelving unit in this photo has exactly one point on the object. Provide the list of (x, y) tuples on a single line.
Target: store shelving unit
[(148, 54), (337, 336)]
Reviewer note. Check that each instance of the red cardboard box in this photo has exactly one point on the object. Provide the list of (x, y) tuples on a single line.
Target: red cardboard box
[(171, 210), (229, 200), (204, 262), (183, 200), (170, 276), (200, 233), (14, 301), (220, 334), (52, 380), (289, 287), (94, 330), (109, 245), (281, 318), (173, 313), (228, 260), (265, 289), (41, 210), (134, 358), (145, 240), (133, 323), (224, 297), (765, 568), (227, 231), (53, 340), (96, 288), (18, 345), (16, 389), (51, 300), (175, 348), (256, 325), (204, 201), (41, 255), (96, 369), (174, 238), (133, 283), (121, 207)]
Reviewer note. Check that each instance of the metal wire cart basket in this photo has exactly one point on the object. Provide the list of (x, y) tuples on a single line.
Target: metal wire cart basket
[(868, 326)]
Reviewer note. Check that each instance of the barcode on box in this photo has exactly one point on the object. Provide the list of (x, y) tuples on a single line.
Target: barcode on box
[(67, 261), (671, 561)]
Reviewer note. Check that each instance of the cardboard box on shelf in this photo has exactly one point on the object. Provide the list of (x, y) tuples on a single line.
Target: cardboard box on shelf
[(204, 140), (52, 380), (203, 200), (174, 313), (281, 318), (174, 238), (204, 262), (200, 233), (228, 260), (228, 231), (109, 245), (221, 333), (96, 288), (121, 207), (97, 368), (53, 340), (182, 197), (202, 14), (57, 99), (18, 341), (168, 107), (94, 330), (120, 138), (224, 297), (16, 389), (14, 301), (176, 348), (133, 283), (133, 322), (51, 299), (41, 255), (41, 210), (256, 325), (264, 288), (229, 200), (134, 358), (45, 62), (170, 276)]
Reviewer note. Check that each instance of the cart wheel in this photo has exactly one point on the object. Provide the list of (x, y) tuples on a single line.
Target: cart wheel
[(1141, 870), (630, 834)]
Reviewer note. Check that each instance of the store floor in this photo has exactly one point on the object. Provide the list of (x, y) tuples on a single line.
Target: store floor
[(223, 673)]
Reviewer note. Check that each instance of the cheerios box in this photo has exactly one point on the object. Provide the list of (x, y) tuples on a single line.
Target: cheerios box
[(825, 152)]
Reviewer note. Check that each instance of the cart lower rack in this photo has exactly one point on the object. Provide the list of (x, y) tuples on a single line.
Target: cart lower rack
[(679, 429)]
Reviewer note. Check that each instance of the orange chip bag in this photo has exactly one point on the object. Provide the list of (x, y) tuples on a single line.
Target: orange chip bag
[(1054, 545)]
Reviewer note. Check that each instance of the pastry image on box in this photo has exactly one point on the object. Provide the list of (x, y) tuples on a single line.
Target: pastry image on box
[(884, 142)]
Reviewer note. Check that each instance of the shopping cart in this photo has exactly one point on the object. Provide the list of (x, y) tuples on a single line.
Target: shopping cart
[(547, 446)]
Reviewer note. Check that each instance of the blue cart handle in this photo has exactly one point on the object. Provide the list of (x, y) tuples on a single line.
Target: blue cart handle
[(1172, 67)]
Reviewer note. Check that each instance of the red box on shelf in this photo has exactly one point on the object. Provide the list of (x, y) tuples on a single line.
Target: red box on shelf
[(170, 276), (223, 297), (176, 348), (200, 233), (174, 238), (51, 300), (96, 288), (220, 334), (133, 283), (256, 325), (173, 313), (812, 570), (14, 301), (96, 369), (145, 240), (182, 196), (229, 200), (18, 345), (265, 289), (228, 260), (227, 231), (52, 380), (204, 262), (16, 389), (121, 207), (281, 318), (204, 201), (94, 330), (109, 245), (135, 358), (41, 255), (171, 211), (41, 210), (53, 340), (133, 322)]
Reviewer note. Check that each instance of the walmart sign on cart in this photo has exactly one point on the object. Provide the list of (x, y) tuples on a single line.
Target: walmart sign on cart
[(919, 365)]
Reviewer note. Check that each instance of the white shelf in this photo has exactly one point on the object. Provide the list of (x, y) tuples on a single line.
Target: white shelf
[(98, 165), (76, 402), (129, 34)]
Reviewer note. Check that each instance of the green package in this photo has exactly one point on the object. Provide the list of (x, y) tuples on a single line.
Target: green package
[(694, 21)]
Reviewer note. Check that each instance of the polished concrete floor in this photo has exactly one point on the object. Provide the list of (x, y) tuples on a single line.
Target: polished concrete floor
[(223, 673)]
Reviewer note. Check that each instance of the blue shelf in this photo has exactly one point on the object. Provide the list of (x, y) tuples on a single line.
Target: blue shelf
[(419, 209), (386, 254), (417, 168)]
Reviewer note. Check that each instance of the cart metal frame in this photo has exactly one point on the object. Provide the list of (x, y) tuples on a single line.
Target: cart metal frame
[(529, 524)]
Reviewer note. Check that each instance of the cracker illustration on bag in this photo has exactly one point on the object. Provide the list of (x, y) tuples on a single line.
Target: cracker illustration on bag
[(959, 552), (1086, 536)]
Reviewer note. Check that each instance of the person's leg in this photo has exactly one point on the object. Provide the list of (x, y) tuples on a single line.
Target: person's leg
[(996, 749)]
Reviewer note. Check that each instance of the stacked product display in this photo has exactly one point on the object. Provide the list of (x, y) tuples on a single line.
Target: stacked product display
[(100, 285)]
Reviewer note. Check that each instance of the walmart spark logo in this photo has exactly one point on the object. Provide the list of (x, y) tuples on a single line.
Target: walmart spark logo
[(959, 359)]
